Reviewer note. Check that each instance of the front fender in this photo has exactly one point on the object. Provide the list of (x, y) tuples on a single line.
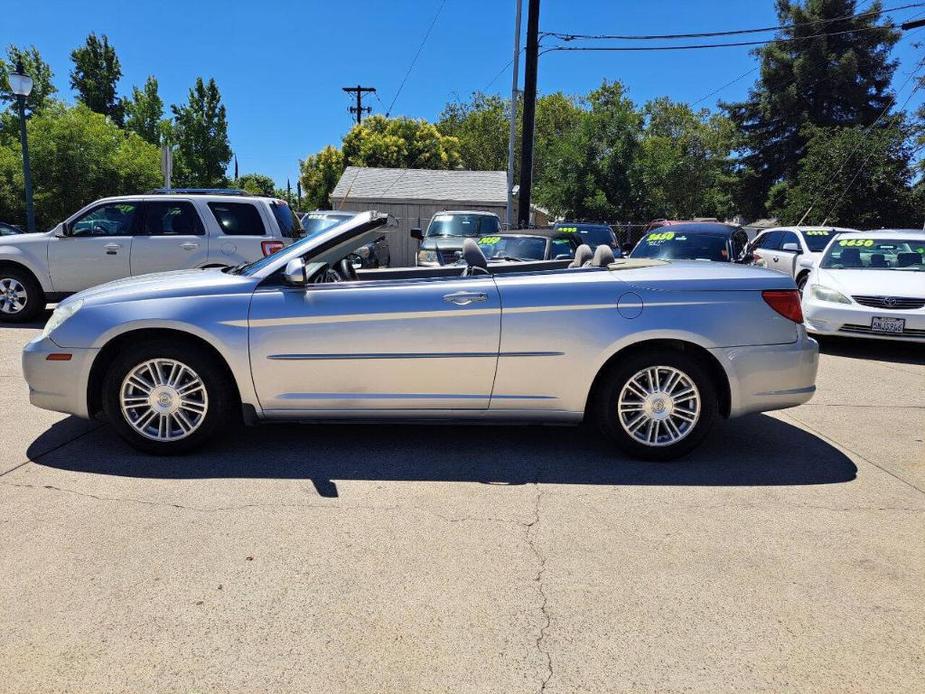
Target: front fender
[(35, 260)]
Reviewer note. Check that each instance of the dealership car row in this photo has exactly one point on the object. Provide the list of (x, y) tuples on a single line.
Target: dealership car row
[(272, 316)]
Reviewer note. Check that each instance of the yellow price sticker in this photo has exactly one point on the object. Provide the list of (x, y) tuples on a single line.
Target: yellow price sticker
[(568, 230), (489, 240), (856, 243), (818, 232), (660, 236)]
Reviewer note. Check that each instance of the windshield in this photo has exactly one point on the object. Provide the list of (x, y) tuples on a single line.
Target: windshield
[(463, 225), (875, 254), (680, 246), (319, 221), (818, 239), (520, 247), (591, 234)]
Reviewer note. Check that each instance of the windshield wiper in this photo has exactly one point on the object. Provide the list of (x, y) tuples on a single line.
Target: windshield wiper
[(236, 269)]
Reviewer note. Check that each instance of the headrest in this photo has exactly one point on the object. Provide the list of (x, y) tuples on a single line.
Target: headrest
[(603, 256), (907, 259), (473, 255), (582, 255)]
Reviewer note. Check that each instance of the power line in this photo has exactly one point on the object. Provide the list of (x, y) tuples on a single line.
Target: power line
[(733, 32), (695, 46), (728, 84), (388, 111)]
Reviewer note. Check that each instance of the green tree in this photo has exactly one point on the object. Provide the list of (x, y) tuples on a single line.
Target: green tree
[(36, 68), (684, 167), (874, 192), (257, 184), (400, 143), (96, 72), (200, 131), (77, 156), (825, 71), (481, 126), (319, 174), (144, 112), (588, 173)]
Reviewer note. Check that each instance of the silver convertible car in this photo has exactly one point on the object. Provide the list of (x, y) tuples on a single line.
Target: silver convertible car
[(652, 350)]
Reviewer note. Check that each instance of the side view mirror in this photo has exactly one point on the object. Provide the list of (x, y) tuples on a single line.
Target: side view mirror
[(805, 262), (791, 247), (62, 230), (294, 274), (417, 234)]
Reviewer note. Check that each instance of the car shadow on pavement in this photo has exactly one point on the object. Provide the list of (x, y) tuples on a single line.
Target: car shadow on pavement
[(36, 324), (754, 451), (877, 350)]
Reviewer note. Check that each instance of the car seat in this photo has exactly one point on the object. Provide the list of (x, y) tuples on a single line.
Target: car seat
[(850, 257), (583, 255), (878, 260), (476, 262), (603, 256), (908, 259)]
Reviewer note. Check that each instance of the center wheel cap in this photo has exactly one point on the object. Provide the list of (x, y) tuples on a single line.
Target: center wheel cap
[(164, 400), (658, 406)]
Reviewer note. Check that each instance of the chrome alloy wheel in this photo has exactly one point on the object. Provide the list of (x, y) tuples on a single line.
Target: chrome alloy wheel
[(13, 296), (659, 406), (163, 400)]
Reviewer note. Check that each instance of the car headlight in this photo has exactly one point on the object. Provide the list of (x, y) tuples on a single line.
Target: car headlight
[(61, 314), (822, 293), (427, 256)]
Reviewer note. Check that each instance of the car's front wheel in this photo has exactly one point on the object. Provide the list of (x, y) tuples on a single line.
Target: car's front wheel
[(21, 297), (167, 398), (658, 405)]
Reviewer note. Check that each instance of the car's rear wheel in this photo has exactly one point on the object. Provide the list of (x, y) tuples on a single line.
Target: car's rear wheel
[(658, 405), (167, 398), (21, 297)]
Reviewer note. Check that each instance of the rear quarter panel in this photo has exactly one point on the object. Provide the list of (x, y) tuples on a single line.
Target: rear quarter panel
[(558, 330)]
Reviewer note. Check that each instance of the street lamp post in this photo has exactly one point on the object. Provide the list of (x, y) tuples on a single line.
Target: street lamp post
[(21, 85)]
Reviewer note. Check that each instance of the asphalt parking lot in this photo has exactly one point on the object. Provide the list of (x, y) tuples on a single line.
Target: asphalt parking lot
[(788, 553)]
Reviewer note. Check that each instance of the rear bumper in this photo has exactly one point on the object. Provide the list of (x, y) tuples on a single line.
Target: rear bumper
[(57, 385), (770, 377)]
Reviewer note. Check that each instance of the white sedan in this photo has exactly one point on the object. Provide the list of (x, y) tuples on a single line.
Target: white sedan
[(793, 250), (869, 284)]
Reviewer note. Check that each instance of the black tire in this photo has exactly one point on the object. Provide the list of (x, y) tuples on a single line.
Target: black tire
[(221, 396), (608, 396), (35, 297)]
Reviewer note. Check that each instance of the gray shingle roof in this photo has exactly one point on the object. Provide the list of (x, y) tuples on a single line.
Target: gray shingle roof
[(360, 183)]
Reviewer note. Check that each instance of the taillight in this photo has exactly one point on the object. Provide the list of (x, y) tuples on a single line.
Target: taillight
[(270, 247), (786, 302)]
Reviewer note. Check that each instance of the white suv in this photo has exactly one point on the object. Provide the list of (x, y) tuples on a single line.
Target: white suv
[(135, 235)]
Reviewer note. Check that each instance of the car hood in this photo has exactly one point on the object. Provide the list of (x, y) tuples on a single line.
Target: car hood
[(166, 284), (687, 275), (444, 243), (874, 282), (23, 239)]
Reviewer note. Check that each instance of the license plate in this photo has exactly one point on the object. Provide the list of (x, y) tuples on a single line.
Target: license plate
[(887, 325)]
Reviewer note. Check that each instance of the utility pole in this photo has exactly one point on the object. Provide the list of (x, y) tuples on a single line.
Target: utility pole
[(513, 132), (359, 109), (526, 153)]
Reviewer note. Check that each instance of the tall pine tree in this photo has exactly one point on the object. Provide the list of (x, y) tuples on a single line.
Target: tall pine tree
[(829, 68), (200, 131), (95, 74)]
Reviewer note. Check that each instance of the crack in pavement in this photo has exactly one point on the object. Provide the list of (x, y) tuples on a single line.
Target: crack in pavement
[(531, 542)]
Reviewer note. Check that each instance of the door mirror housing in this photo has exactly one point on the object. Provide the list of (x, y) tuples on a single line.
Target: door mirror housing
[(62, 230), (417, 234), (294, 275), (791, 247), (806, 262)]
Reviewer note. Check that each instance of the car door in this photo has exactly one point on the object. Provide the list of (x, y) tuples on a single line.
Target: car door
[(171, 236), (784, 260), (764, 247), (415, 344), (95, 247)]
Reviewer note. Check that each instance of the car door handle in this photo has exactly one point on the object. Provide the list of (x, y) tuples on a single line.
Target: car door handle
[(465, 298), (189, 246), (112, 248)]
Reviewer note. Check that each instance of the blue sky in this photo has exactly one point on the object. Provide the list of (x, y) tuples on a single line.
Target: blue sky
[(280, 64)]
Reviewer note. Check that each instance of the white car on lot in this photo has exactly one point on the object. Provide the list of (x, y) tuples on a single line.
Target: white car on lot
[(793, 250), (869, 284), (132, 235)]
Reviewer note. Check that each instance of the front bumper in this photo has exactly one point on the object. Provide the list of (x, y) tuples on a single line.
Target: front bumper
[(854, 320), (770, 377), (57, 385)]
